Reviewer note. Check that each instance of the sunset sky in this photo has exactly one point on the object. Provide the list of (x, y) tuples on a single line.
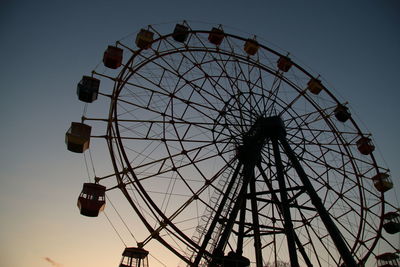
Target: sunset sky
[(48, 45)]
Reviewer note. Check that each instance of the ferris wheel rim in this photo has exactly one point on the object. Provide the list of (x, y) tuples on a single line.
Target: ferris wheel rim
[(114, 115)]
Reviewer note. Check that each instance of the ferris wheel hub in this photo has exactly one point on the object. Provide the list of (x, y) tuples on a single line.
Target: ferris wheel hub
[(263, 129)]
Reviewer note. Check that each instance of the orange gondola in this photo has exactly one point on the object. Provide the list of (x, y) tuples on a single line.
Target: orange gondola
[(251, 47), (365, 145), (284, 63), (315, 86), (382, 182), (144, 39)]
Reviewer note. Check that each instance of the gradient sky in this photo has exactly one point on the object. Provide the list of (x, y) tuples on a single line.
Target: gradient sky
[(46, 46)]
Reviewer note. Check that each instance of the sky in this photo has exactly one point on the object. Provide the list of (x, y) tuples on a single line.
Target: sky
[(48, 45)]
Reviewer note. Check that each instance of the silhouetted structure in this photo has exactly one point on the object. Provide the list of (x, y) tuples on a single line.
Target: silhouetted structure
[(391, 222), (92, 199), (88, 89), (290, 166), (216, 36), (342, 113), (365, 145), (112, 57), (284, 63), (382, 182), (388, 259), (134, 257), (77, 137), (181, 33), (314, 86), (144, 39), (251, 47)]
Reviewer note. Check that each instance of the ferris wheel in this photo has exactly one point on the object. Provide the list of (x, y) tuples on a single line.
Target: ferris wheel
[(232, 154)]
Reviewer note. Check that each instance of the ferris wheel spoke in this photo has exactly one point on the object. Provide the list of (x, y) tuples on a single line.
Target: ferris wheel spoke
[(259, 104), (349, 227), (319, 247), (171, 95), (290, 104), (222, 64), (195, 105), (311, 156), (178, 234), (168, 169), (233, 83), (317, 130), (111, 78), (273, 95), (314, 116), (165, 115), (237, 94), (246, 83), (327, 147), (161, 139), (197, 65), (340, 170), (325, 183)]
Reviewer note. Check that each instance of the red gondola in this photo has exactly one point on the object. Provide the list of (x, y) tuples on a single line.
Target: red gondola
[(365, 145), (284, 63), (112, 57), (92, 199), (216, 36), (342, 113)]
